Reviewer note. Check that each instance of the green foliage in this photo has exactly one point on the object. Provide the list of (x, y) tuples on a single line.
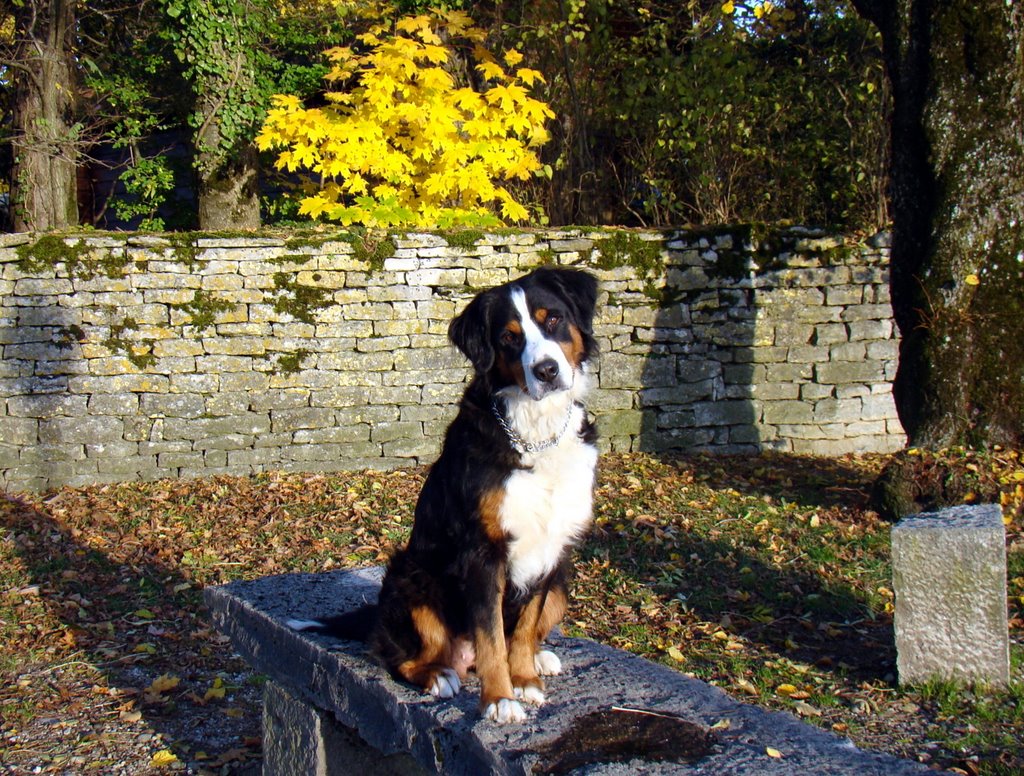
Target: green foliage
[(119, 342), (218, 44), (147, 184), (626, 249), (290, 363), (79, 260), (298, 300), (675, 114), (373, 247), (203, 308)]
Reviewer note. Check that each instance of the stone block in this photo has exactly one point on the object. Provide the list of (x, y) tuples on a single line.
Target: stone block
[(173, 405), (728, 412), (301, 418), (622, 423), (788, 412), (425, 448), (840, 372), (227, 402), (676, 394), (304, 741), (91, 429), (949, 577), (48, 406), (870, 330), (390, 431)]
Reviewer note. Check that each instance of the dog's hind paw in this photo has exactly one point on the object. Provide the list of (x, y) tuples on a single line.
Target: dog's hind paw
[(505, 710), (532, 695), (446, 684), (547, 663)]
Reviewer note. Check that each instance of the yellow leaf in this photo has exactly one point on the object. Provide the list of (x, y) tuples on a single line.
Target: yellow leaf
[(746, 686), (676, 654), (806, 709), (216, 691), (728, 7), (771, 752), (163, 758), (163, 683), (491, 70), (529, 76), (785, 689), (972, 280)]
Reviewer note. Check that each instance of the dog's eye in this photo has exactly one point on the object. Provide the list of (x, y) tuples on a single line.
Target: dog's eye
[(509, 338), (551, 322)]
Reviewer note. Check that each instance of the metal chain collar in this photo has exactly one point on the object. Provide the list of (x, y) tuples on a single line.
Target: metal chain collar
[(519, 444)]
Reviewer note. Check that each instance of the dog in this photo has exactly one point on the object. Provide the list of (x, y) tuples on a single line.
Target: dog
[(483, 578)]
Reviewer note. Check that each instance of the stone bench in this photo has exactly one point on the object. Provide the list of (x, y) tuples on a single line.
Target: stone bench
[(329, 710)]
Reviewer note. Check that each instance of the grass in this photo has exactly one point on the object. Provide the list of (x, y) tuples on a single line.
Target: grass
[(766, 576)]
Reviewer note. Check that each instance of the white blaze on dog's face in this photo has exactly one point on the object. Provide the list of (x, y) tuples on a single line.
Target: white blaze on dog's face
[(545, 366)]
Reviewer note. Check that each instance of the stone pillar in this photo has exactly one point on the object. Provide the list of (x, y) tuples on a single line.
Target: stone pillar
[(301, 740), (949, 577)]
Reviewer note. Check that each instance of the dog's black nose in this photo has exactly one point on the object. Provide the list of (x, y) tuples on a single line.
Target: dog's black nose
[(546, 371)]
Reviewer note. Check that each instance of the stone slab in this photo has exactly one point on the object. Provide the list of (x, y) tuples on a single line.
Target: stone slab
[(949, 577), (450, 737)]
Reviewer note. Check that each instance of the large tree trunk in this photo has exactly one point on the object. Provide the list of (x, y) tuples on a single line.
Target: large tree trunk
[(228, 192), (957, 74), (43, 189), (226, 160)]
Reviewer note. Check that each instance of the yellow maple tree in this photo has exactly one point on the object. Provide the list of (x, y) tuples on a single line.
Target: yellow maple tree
[(400, 142)]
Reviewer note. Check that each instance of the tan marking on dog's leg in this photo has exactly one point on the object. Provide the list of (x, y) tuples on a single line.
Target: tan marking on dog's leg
[(523, 649), (435, 653), (555, 604), (492, 656)]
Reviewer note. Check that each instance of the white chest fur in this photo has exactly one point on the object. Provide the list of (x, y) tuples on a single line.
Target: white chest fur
[(549, 505)]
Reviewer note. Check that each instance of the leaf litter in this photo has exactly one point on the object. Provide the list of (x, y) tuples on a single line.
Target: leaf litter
[(766, 575)]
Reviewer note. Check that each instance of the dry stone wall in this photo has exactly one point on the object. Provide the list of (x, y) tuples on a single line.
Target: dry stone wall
[(132, 356)]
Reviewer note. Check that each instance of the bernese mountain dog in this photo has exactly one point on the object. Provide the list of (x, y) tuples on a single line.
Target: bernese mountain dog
[(483, 578)]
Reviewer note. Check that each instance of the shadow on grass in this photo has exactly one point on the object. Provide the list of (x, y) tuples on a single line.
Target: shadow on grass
[(98, 622), (786, 589), (810, 481)]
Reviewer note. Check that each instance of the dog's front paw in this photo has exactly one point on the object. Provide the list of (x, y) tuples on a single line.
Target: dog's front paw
[(505, 710), (547, 663), (446, 684), (532, 695)]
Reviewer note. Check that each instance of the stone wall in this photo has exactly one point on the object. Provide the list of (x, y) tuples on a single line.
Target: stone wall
[(146, 357)]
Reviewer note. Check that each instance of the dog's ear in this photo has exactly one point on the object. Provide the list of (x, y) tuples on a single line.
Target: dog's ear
[(470, 332), (577, 287)]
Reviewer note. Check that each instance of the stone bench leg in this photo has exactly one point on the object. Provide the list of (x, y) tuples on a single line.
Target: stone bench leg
[(949, 577), (300, 740)]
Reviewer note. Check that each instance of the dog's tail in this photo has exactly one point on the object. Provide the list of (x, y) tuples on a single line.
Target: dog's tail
[(351, 626)]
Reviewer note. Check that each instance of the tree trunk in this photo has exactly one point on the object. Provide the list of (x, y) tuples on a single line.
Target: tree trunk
[(43, 188), (228, 194), (957, 132), (226, 160)]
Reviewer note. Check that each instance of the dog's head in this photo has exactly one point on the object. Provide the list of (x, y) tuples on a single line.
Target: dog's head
[(535, 332)]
